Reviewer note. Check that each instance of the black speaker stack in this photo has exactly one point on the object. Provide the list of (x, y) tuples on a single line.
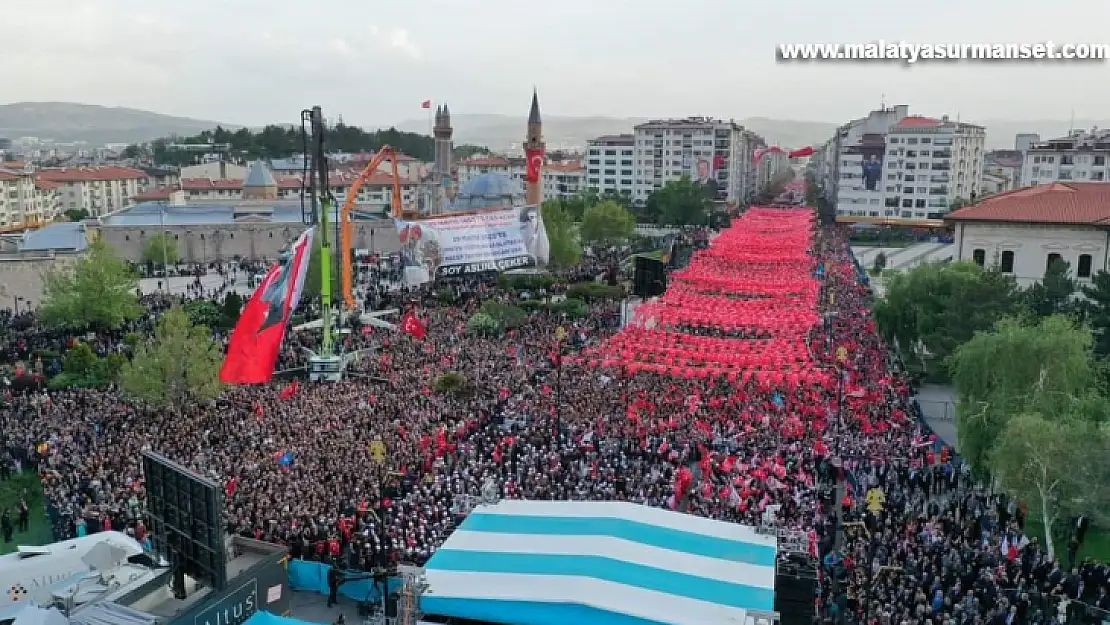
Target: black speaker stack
[(796, 590), (650, 277)]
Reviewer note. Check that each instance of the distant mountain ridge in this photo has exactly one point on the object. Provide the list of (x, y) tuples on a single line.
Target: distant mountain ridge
[(66, 122)]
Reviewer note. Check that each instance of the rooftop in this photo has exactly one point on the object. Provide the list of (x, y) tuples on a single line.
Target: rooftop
[(599, 562), (1074, 203), (485, 161), (565, 167), (206, 214), (65, 236), (259, 176), (614, 139), (90, 174)]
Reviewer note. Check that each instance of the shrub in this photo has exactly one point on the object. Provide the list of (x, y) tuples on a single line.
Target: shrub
[(446, 296), (531, 305), (595, 292), (483, 325), (506, 315), (451, 383), (571, 307), (525, 282)]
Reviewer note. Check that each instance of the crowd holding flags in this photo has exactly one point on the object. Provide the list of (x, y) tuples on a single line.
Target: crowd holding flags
[(253, 350)]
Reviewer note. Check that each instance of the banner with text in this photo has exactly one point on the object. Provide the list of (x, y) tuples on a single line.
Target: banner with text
[(493, 240)]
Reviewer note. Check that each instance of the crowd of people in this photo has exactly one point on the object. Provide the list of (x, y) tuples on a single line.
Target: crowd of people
[(370, 471)]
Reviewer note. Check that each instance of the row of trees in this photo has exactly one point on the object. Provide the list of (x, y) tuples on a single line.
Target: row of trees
[(935, 307), (1029, 366), (680, 202), (284, 141), (100, 292)]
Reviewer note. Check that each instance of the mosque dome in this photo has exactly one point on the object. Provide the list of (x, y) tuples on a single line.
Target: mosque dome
[(487, 191)]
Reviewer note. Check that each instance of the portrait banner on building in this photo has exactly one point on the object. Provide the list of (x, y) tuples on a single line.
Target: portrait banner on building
[(492, 240)]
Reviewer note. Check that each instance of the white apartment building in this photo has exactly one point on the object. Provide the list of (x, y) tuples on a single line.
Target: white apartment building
[(891, 165), (700, 148), (931, 163), (98, 190), (610, 165), (773, 161), (26, 200), (563, 180), (475, 166), (1081, 156)]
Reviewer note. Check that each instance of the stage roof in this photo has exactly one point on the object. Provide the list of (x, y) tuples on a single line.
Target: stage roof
[(603, 563)]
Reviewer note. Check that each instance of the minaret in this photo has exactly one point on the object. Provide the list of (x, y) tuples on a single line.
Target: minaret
[(533, 190), (442, 132)]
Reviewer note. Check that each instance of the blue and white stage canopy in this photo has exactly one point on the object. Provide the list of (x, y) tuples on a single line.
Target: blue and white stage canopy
[(603, 563)]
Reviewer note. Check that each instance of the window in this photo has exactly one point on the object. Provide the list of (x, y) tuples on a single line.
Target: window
[(1007, 262), (1053, 257), (979, 256), (1084, 268)]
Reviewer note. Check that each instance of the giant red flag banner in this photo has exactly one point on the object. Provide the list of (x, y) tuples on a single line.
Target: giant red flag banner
[(256, 341), (535, 164)]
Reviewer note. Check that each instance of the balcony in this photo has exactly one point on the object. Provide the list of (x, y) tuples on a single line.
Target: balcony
[(938, 190)]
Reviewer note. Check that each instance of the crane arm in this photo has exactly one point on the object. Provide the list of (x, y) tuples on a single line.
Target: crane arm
[(346, 229)]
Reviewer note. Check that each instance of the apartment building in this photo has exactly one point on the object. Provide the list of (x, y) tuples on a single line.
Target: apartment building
[(26, 200), (710, 151), (891, 165), (1081, 157), (476, 166), (1001, 171), (770, 164), (98, 190), (610, 165), (562, 180), (929, 164)]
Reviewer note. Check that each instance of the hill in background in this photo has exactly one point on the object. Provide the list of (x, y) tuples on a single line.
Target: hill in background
[(67, 122)]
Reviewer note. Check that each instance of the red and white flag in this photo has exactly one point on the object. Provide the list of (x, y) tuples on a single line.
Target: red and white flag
[(426, 104), (412, 326)]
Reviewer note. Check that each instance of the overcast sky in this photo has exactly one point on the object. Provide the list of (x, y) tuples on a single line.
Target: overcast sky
[(259, 61)]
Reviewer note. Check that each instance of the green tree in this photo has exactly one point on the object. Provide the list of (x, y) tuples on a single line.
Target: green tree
[(202, 312), (230, 311), (80, 361), (680, 202), (97, 291), (160, 249), (1059, 465), (607, 223), (1097, 311), (879, 265), (1054, 294), (1021, 367), (181, 363), (942, 305), (76, 214), (562, 237)]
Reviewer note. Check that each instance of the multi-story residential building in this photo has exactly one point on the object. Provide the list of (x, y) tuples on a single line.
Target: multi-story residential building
[(561, 180), (929, 164), (772, 163), (706, 150), (1081, 156), (26, 201), (1001, 171), (98, 190), (610, 165), (891, 165), (486, 164)]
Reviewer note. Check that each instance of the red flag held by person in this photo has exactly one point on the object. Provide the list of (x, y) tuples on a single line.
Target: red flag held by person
[(412, 326), (289, 391), (256, 341)]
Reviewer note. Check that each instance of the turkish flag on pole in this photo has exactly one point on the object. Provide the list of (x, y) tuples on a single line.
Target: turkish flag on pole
[(426, 104), (535, 164), (412, 326), (802, 152)]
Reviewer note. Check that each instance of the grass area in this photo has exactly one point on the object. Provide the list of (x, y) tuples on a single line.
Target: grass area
[(11, 491), (1096, 545)]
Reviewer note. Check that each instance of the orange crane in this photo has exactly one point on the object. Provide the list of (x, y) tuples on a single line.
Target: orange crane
[(346, 230)]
